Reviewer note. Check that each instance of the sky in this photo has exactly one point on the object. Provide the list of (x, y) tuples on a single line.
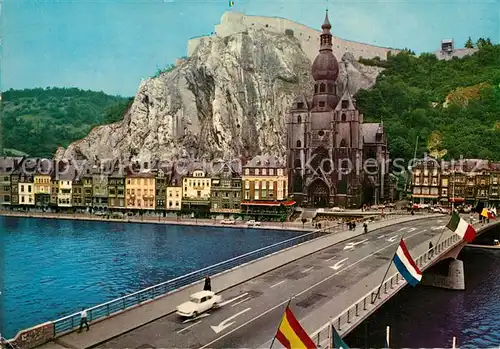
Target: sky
[(110, 45)]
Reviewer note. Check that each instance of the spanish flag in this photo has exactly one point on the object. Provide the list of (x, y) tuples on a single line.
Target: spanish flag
[(291, 335)]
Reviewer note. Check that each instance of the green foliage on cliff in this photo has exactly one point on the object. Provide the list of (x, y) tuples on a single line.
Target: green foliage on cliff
[(37, 121), (410, 96)]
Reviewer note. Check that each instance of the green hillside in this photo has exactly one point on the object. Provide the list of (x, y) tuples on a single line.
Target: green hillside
[(37, 121), (410, 97)]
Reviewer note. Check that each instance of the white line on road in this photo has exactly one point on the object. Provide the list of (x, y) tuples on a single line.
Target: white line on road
[(188, 327), (196, 318), (243, 300), (339, 264), (308, 269), (393, 238), (279, 283), (301, 293), (225, 324), (233, 299), (329, 259), (381, 236)]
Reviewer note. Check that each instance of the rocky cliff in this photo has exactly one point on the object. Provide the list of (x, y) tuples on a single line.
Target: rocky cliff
[(228, 99)]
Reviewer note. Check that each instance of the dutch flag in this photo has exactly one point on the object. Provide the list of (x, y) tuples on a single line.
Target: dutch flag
[(406, 265)]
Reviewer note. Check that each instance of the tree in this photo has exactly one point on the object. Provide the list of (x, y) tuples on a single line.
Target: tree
[(469, 43)]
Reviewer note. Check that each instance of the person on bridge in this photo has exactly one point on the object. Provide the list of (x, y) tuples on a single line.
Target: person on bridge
[(208, 285), (83, 320), (365, 226), (431, 250)]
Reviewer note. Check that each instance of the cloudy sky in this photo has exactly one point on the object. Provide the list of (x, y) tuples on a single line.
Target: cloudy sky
[(110, 45)]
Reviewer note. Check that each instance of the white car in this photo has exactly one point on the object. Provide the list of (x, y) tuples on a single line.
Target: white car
[(337, 209), (253, 223), (198, 303), (228, 221)]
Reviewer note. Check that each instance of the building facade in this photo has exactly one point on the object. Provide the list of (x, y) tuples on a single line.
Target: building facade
[(196, 191), (99, 189), (225, 189), (42, 188), (161, 190), (140, 190), (116, 190), (328, 144)]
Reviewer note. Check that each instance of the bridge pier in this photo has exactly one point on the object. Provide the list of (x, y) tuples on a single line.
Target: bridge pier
[(448, 274)]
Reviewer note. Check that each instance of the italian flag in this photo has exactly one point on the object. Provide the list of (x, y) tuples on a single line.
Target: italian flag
[(460, 227)]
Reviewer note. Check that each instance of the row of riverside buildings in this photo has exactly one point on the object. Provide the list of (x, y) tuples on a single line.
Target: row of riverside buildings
[(257, 188), (468, 181)]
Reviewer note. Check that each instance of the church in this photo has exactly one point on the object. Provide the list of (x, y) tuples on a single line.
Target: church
[(333, 157)]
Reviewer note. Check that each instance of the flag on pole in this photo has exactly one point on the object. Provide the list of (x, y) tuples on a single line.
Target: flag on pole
[(460, 227), (488, 213), (387, 337), (406, 265), (291, 335), (337, 341), (231, 3)]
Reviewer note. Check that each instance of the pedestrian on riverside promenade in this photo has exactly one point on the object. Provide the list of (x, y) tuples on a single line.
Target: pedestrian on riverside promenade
[(365, 226), (83, 320), (431, 250), (208, 285)]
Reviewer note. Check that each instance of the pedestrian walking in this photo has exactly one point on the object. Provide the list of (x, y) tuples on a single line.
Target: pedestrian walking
[(83, 320), (431, 250), (365, 227), (208, 284)]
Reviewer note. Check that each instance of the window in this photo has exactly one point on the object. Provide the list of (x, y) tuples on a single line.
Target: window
[(344, 117), (322, 88), (271, 171), (264, 172), (247, 184), (315, 88), (343, 143), (322, 104), (417, 181), (345, 104), (444, 182), (300, 105), (299, 119), (247, 171), (321, 133), (426, 181), (299, 144), (22, 188), (257, 172)]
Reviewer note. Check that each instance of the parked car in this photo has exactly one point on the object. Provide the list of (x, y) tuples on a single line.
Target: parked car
[(337, 209), (198, 303), (228, 221), (253, 223)]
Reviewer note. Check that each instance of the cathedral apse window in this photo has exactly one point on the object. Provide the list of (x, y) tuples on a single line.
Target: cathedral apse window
[(343, 143), (299, 144), (300, 105), (322, 88), (344, 117), (322, 104), (345, 104), (299, 119), (315, 88), (297, 163), (321, 133)]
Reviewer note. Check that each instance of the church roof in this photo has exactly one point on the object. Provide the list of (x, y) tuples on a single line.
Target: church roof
[(369, 132)]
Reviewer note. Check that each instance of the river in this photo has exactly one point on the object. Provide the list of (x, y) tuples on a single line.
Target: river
[(428, 317), (51, 268)]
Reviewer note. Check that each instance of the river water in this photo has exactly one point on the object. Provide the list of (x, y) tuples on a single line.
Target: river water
[(428, 317), (52, 268)]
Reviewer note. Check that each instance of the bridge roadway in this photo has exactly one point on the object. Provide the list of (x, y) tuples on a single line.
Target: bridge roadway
[(321, 283)]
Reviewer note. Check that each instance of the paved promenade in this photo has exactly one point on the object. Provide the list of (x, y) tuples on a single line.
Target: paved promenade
[(262, 295)]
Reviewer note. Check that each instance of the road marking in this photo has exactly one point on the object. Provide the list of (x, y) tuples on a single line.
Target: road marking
[(279, 283), (196, 318), (351, 245), (438, 227), (339, 264), (393, 238), (225, 324), (411, 229), (381, 236), (301, 293), (329, 259), (188, 327), (308, 269), (233, 299), (243, 300)]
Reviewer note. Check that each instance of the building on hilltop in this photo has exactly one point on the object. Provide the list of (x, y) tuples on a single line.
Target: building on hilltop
[(448, 50), (328, 144)]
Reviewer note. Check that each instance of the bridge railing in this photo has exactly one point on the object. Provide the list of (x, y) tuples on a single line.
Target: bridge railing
[(354, 314), (71, 322)]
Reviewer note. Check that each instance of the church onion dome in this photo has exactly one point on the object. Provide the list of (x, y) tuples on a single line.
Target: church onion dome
[(325, 67)]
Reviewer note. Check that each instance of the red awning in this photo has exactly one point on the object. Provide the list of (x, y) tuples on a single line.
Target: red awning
[(456, 199), (268, 203)]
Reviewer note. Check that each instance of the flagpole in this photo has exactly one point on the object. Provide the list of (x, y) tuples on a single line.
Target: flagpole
[(387, 336), (388, 267), (454, 342), (279, 325)]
